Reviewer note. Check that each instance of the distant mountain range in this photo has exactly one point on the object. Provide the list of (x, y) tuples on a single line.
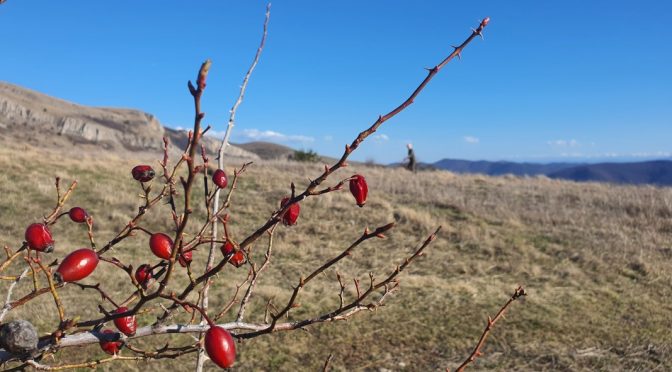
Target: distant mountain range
[(655, 172), (499, 168)]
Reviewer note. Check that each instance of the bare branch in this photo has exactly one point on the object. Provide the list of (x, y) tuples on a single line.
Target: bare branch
[(326, 366), (7, 306), (519, 292), (255, 276), (52, 289), (220, 165)]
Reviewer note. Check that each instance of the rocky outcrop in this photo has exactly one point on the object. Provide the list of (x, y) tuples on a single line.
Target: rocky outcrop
[(117, 128), (23, 110)]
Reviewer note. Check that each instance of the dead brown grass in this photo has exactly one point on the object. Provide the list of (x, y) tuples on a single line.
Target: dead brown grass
[(594, 258)]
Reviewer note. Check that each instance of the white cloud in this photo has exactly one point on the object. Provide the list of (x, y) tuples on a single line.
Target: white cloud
[(328, 138), (219, 134), (269, 135), (380, 137), (471, 140), (564, 143), (652, 154)]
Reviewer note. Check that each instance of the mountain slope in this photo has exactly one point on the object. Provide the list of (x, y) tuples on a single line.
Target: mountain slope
[(130, 129), (595, 259), (267, 150), (657, 172), (498, 168), (28, 116)]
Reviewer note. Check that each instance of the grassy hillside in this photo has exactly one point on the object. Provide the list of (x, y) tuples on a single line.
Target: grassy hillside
[(595, 260)]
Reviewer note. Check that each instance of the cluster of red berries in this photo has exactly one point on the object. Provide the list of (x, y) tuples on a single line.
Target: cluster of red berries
[(39, 238), (237, 256), (126, 325), (110, 347), (358, 189), (75, 266), (82, 262)]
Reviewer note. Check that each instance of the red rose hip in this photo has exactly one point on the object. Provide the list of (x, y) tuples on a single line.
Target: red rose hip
[(238, 258), (161, 245), (143, 173), (220, 346), (78, 214), (126, 325), (77, 265), (110, 347), (292, 213), (359, 189), (219, 179), (143, 274), (185, 258), (39, 238)]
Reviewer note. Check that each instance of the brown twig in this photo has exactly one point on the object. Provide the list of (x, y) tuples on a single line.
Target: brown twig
[(255, 276), (34, 273), (89, 227), (196, 93), (60, 201), (30, 296), (344, 312), (213, 217), (11, 257), (96, 287), (52, 289), (519, 292), (326, 366), (302, 282), (232, 301), (95, 363)]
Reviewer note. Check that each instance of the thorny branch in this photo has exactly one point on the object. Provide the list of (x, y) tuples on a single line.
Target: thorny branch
[(60, 201), (344, 312), (52, 289), (519, 292), (342, 162)]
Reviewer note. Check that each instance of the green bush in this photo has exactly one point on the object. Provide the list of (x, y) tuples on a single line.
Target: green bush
[(306, 155)]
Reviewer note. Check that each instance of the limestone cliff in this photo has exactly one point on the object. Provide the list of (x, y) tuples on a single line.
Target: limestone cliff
[(25, 111)]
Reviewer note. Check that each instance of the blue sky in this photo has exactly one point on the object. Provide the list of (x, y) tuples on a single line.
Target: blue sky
[(564, 80)]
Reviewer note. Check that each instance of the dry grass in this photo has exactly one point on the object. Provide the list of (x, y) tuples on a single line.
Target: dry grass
[(594, 258)]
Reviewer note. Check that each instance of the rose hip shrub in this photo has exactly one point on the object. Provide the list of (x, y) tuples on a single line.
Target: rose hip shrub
[(155, 301)]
